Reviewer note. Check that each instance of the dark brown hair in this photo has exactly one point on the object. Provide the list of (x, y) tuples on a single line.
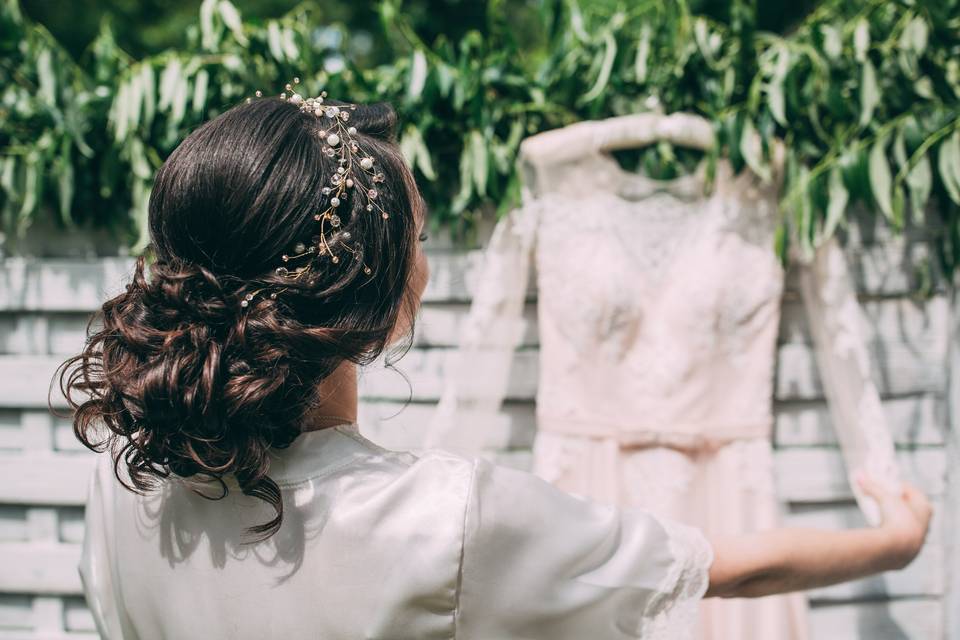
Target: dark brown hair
[(186, 380)]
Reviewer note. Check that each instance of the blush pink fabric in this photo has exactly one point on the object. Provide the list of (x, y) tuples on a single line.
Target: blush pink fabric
[(658, 316), (658, 308)]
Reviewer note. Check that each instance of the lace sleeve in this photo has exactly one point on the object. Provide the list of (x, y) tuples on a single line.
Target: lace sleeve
[(677, 607), (468, 418), (836, 324)]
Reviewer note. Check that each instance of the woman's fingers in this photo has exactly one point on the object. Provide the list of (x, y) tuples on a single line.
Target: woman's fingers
[(874, 489), (918, 502), (897, 507)]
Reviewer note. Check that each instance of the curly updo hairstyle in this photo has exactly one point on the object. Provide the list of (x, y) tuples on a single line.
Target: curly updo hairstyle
[(185, 379)]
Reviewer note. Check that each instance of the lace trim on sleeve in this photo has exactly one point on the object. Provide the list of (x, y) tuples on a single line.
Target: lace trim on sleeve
[(673, 613)]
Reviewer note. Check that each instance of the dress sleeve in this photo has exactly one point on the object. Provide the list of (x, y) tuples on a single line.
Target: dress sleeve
[(467, 418), (541, 563), (95, 568), (837, 328)]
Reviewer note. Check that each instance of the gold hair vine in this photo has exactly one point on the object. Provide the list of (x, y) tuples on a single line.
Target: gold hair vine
[(338, 141)]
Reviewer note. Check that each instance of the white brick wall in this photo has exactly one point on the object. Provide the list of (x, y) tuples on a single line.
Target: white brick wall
[(44, 307)]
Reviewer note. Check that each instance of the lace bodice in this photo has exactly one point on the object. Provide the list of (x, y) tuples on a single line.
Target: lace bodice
[(658, 305), (658, 310)]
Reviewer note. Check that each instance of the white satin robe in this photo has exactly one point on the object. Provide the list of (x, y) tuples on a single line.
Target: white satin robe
[(383, 544)]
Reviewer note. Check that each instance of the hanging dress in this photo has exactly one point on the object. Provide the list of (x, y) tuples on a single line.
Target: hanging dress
[(658, 307)]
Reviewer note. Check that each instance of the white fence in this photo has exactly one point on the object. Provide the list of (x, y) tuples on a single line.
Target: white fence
[(44, 305)]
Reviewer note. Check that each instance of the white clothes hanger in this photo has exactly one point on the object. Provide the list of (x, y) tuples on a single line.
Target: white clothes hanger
[(620, 132), (633, 131)]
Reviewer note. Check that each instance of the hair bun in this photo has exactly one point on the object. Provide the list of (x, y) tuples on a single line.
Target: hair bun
[(188, 381)]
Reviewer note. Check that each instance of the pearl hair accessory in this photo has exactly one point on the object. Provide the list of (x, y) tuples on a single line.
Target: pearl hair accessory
[(355, 167)]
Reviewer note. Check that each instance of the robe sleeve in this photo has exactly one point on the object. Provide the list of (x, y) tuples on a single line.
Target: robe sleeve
[(541, 563), (837, 328), (95, 567), (468, 417)]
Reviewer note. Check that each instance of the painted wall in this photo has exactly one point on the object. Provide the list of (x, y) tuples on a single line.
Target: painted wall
[(45, 303)]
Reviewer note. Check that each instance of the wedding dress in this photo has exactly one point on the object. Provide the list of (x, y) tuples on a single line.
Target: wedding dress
[(658, 312)]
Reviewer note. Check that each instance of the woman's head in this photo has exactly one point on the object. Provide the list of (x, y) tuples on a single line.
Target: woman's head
[(189, 373)]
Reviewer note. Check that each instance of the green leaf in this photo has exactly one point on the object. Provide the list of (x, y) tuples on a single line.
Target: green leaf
[(803, 212), (137, 156), (7, 177), (415, 152), (117, 118), (728, 84), (923, 87), (466, 181), (231, 18), (148, 85), (200, 83), (135, 101), (900, 148), (701, 34), (948, 165), (65, 182), (418, 75), (47, 78), (881, 178), (775, 86), (837, 199), (208, 34), (861, 40), (576, 21), (832, 42), (445, 77), (897, 206), (273, 41), (781, 243), (31, 186), (609, 55), (178, 102), (425, 163), (643, 53), (290, 48), (900, 153), (752, 151), (915, 35), (920, 183), (869, 93), (952, 75), (139, 212), (408, 144), (168, 82), (480, 161)]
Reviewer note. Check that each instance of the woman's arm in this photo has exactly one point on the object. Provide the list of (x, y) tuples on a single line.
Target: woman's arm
[(784, 560)]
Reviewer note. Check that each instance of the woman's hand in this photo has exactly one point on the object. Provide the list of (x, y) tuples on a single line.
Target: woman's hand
[(905, 518), (783, 560)]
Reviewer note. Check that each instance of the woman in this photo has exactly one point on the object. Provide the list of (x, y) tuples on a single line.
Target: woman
[(285, 234)]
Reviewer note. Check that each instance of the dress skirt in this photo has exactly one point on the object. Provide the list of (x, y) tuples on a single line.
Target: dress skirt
[(723, 490)]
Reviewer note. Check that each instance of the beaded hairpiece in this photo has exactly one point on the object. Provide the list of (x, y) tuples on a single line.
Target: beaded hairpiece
[(339, 141)]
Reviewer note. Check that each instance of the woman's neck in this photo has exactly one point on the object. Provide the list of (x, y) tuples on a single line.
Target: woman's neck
[(338, 400)]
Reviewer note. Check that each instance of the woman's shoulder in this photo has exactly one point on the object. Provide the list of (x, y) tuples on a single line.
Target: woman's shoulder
[(325, 459), (313, 456), (404, 461)]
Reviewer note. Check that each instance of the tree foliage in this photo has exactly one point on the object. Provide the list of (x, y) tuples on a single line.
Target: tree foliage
[(864, 95)]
